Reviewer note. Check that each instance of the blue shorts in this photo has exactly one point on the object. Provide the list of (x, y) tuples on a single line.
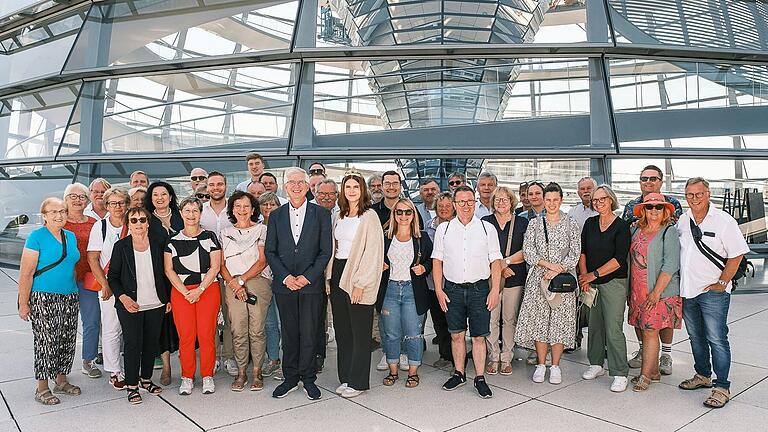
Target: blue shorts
[(468, 303)]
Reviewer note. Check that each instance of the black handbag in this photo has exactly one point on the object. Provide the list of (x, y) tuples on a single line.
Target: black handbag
[(563, 282)]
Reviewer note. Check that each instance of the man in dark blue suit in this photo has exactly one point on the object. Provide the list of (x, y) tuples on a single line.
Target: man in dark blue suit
[(298, 249)]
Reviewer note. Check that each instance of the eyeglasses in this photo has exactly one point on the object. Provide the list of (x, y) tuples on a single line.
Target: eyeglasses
[(407, 212), (464, 203), (190, 211), (141, 219), (76, 197), (197, 178), (295, 182), (651, 179), (654, 207), (61, 212), (116, 204), (268, 204), (455, 183), (697, 195), (391, 184), (502, 200), (599, 200), (203, 196)]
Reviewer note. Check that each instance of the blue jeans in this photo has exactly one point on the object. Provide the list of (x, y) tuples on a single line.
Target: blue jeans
[(401, 324), (90, 314), (705, 319), (468, 303), (272, 329)]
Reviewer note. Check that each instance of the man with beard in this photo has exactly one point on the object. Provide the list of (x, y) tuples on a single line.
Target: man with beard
[(374, 187), (428, 191)]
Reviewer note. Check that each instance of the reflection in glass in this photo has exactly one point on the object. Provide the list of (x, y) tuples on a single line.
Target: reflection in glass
[(131, 31)]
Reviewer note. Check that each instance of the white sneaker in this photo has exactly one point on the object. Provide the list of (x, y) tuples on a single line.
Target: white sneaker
[(555, 375), (593, 372), (539, 373), (403, 362), (208, 385), (382, 366), (231, 367), (340, 389), (186, 386), (619, 384), (349, 392)]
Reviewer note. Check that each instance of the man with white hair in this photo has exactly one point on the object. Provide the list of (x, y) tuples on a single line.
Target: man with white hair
[(584, 210), (197, 177)]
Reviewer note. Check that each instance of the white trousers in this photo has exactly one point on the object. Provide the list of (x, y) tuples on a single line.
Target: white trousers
[(111, 335)]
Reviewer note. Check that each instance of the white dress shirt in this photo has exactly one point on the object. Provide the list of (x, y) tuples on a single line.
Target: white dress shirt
[(466, 251), (211, 221), (721, 233), (297, 220), (581, 213)]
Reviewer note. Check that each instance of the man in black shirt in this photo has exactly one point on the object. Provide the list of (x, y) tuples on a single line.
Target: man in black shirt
[(392, 188)]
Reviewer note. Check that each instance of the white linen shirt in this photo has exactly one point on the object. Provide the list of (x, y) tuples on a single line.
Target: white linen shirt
[(297, 220), (580, 213), (466, 251), (211, 221), (722, 234)]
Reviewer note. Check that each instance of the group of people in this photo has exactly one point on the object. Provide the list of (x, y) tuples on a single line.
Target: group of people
[(150, 275)]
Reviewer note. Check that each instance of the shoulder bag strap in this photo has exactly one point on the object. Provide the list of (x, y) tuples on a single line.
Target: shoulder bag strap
[(705, 250), (63, 255), (509, 236), (103, 230)]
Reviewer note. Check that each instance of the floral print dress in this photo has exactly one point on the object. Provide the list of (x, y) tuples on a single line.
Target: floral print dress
[(537, 320)]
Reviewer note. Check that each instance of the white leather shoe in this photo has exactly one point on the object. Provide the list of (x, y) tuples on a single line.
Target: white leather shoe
[(340, 389), (619, 384), (593, 372), (539, 373), (555, 375), (382, 366)]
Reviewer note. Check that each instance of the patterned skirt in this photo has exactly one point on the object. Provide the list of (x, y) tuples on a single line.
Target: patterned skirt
[(54, 328)]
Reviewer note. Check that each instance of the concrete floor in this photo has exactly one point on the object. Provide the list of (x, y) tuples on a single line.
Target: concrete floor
[(517, 404)]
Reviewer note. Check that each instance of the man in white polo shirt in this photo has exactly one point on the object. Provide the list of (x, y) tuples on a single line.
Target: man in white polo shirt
[(706, 287), (467, 253)]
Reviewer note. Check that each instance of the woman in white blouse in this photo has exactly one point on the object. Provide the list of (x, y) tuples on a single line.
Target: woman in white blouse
[(355, 274), (247, 292)]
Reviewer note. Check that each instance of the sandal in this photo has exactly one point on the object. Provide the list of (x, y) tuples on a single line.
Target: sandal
[(67, 389), (412, 381), (506, 368), (150, 387), (238, 384), (134, 397), (718, 398), (698, 381), (390, 379), (492, 368), (642, 383), (655, 378), (46, 397), (258, 383)]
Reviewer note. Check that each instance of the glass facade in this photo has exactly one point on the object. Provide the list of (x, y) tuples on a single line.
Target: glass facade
[(549, 90)]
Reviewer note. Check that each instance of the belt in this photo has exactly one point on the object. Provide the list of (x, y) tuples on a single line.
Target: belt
[(467, 284)]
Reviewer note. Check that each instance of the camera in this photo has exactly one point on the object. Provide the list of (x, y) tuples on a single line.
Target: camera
[(251, 300)]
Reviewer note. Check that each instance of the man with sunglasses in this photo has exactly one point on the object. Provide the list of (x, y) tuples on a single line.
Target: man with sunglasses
[(706, 287), (455, 180), (651, 182), (197, 177), (316, 168)]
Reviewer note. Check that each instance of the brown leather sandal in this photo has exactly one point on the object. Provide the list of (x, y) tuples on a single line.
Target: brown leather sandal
[(238, 384), (67, 389), (46, 397), (718, 398), (642, 383), (412, 381)]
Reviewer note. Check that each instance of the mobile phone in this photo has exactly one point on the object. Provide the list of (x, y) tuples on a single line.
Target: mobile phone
[(251, 300)]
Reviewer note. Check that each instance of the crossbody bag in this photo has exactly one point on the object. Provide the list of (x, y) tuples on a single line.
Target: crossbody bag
[(563, 282)]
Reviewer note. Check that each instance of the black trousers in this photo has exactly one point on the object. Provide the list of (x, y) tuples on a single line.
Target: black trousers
[(299, 317), (353, 324), (320, 343), (441, 327), (141, 340)]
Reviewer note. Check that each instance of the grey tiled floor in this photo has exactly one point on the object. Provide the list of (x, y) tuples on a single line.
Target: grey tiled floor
[(518, 403)]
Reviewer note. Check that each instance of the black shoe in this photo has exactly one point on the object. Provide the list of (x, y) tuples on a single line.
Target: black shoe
[(313, 393), (99, 359), (482, 387), (283, 389), (319, 363), (375, 345), (456, 380), (435, 341)]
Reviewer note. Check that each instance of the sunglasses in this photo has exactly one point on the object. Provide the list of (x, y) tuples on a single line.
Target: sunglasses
[(407, 212), (317, 171), (202, 196), (654, 206), (649, 179), (142, 219), (197, 178), (455, 183)]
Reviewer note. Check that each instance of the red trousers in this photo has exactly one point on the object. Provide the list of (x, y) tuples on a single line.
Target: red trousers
[(196, 321)]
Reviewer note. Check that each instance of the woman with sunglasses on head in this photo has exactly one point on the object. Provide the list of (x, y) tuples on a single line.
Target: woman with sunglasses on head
[(48, 297), (355, 275), (605, 241), (136, 276), (104, 235), (195, 294), (166, 221), (403, 297), (654, 297), (75, 201)]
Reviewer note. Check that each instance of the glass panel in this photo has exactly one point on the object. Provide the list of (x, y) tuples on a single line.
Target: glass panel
[(132, 31), (32, 125), (38, 49), (368, 23), (396, 94), (22, 189), (721, 24), (11, 10), (249, 107)]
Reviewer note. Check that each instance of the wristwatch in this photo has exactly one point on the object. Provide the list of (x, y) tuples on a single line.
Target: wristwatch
[(596, 274), (506, 260), (722, 283), (240, 281)]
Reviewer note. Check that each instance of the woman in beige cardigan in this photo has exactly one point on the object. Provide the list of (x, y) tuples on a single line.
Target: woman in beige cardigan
[(355, 274)]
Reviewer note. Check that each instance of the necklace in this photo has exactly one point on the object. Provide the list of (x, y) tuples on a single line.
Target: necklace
[(604, 226), (162, 216)]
